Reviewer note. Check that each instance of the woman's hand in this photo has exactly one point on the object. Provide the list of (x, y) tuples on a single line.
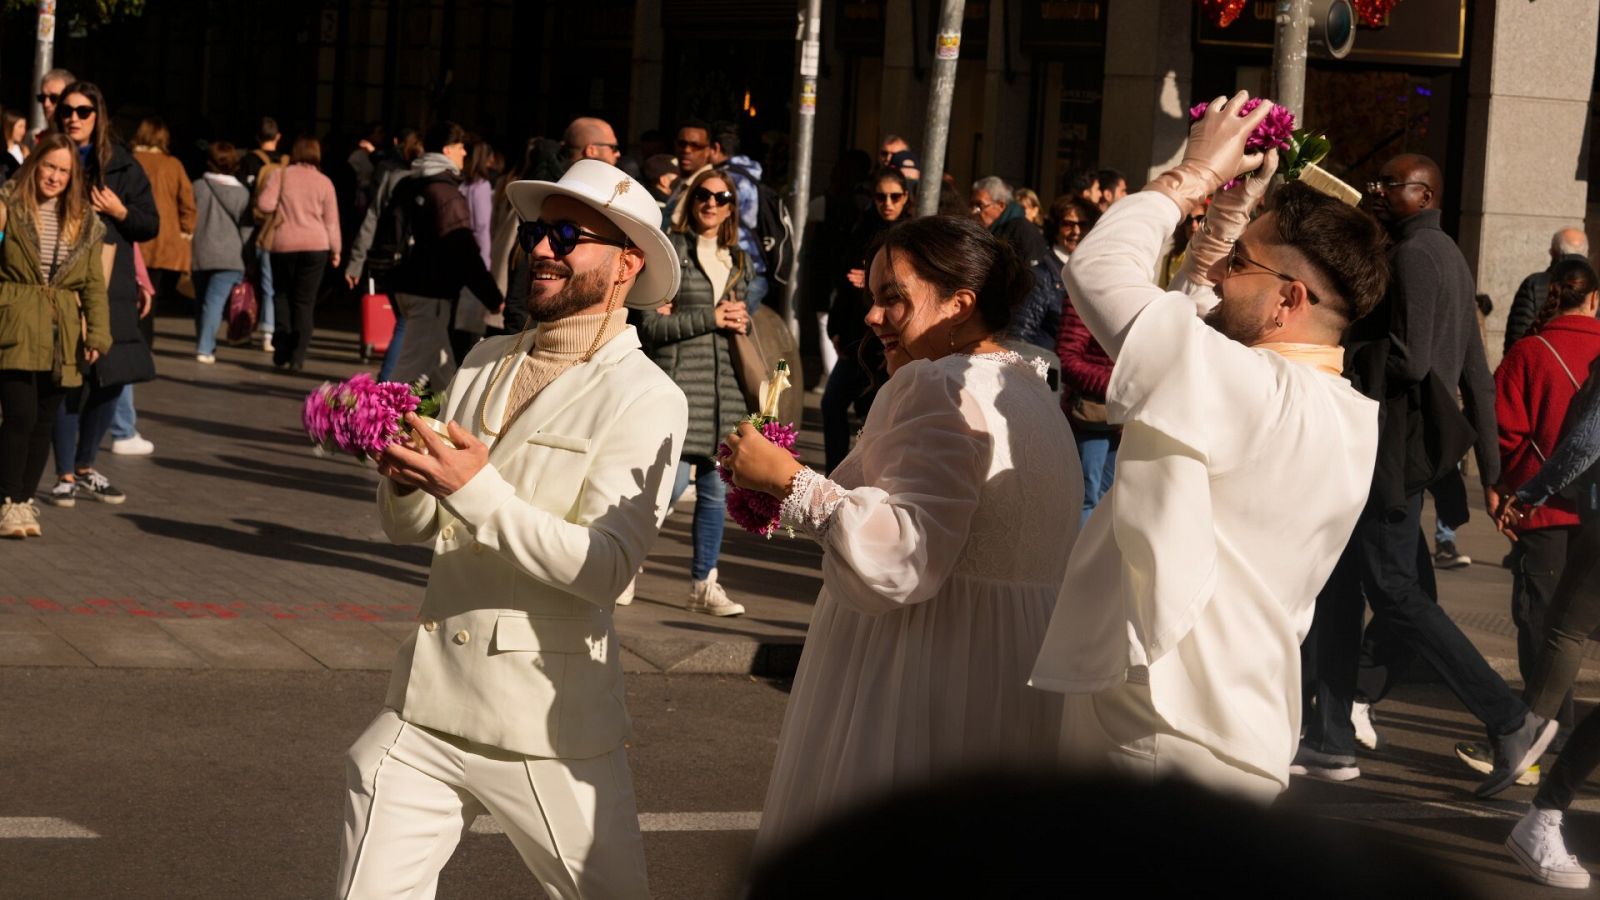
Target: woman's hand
[(664, 309), (757, 463), (91, 356), (333, 261), (105, 200), (732, 316), (1510, 514), (856, 277)]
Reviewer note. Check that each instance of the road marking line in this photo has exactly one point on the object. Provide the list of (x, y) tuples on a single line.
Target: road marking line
[(671, 821), (41, 827)]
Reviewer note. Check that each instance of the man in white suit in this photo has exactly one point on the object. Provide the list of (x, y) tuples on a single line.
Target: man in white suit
[(540, 507)]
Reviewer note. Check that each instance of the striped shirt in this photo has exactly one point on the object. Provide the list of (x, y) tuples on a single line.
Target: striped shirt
[(49, 223)]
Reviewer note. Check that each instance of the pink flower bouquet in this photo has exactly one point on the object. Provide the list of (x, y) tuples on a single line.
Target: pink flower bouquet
[(362, 417), (754, 511)]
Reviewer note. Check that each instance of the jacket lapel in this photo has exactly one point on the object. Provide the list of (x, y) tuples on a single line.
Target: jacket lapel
[(566, 390)]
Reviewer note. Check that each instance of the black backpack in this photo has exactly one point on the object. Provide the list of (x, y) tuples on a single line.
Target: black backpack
[(396, 232), (774, 229)]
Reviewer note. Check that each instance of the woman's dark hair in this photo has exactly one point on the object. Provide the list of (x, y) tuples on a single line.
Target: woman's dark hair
[(8, 121), (152, 133), (1088, 214), (222, 158), (953, 253), (887, 173), (101, 138), (480, 157), (1571, 283)]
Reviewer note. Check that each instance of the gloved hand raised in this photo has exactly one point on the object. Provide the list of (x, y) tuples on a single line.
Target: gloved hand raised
[(1215, 153), (1226, 219)]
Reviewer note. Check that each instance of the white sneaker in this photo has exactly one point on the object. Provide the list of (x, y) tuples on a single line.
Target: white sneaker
[(708, 597), (1536, 842), (133, 446), (30, 519), (205, 359), (1361, 718), (13, 522), (266, 342)]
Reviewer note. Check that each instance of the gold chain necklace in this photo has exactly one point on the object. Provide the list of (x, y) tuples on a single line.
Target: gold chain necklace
[(516, 351)]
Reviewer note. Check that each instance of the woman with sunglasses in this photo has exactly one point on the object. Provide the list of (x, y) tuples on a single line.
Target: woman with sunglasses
[(690, 338), (120, 193), (56, 321), (851, 383)]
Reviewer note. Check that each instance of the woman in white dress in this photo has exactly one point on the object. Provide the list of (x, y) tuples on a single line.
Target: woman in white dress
[(945, 535)]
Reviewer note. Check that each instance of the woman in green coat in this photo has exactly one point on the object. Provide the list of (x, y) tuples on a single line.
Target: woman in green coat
[(690, 339), (54, 319)]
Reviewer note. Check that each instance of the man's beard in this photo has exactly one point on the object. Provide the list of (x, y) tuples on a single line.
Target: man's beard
[(1235, 323), (582, 291)]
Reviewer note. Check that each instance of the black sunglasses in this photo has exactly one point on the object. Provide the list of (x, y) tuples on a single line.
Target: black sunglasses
[(47, 98), (889, 196), (720, 198), (564, 236), (83, 112)]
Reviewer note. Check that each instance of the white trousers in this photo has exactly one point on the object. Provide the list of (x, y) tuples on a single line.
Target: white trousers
[(413, 793), (1119, 730)]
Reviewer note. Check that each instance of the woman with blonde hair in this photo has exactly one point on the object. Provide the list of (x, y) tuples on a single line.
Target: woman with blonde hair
[(691, 339), (53, 291)]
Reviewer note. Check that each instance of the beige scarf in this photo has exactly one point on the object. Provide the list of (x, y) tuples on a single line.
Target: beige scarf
[(557, 347), (1318, 356)]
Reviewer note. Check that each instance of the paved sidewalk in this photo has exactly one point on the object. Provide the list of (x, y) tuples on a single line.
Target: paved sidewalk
[(239, 548)]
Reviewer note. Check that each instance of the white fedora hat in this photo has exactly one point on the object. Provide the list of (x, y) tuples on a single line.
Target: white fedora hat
[(628, 205)]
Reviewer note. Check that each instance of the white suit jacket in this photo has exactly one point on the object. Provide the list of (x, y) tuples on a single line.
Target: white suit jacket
[(516, 648)]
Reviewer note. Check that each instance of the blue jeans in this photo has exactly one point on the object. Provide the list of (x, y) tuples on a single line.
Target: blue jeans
[(78, 433), (212, 286), (391, 357), (124, 421), (269, 319), (710, 506), (1098, 454)]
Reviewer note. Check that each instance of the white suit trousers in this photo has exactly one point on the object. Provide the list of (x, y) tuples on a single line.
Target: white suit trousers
[(413, 793)]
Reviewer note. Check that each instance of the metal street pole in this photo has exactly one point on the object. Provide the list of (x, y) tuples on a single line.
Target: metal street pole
[(44, 52), (1291, 33), (946, 53), (800, 199)]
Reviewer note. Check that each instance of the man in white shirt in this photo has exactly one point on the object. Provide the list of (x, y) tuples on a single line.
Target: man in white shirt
[(1245, 461)]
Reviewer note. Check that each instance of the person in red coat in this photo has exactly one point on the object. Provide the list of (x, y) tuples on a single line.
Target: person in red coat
[(1085, 367), (1534, 386)]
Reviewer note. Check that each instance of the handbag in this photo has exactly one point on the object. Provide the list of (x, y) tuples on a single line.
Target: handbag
[(750, 365), (242, 312)]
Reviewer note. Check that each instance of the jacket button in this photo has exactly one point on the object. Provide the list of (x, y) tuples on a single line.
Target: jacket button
[(462, 637), (429, 625), (448, 533)]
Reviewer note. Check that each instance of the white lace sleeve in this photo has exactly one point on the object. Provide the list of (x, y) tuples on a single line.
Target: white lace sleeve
[(810, 505)]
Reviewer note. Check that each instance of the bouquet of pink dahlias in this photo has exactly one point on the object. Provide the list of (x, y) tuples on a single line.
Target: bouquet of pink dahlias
[(361, 416), (754, 511)]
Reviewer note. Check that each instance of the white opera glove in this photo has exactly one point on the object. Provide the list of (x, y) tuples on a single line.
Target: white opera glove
[(1215, 153), (1230, 212)]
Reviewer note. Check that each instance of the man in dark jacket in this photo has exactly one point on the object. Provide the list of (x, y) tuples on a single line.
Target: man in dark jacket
[(1434, 342), (1568, 243), (1038, 319), (440, 256)]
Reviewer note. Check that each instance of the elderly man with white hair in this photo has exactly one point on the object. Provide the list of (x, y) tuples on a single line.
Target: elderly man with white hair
[(1568, 243)]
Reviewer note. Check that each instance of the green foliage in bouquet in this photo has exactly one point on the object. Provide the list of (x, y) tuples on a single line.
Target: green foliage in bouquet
[(1306, 148)]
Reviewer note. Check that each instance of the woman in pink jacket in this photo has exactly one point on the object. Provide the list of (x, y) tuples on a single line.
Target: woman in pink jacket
[(304, 241)]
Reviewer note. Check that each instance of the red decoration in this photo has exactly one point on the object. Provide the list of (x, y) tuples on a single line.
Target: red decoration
[(1373, 12), (1223, 12)]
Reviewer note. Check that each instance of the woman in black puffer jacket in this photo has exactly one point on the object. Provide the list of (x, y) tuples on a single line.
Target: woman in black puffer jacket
[(120, 193), (690, 339)]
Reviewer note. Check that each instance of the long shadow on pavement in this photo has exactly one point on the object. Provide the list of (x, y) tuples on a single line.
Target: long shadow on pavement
[(292, 479), (293, 545), (214, 428)]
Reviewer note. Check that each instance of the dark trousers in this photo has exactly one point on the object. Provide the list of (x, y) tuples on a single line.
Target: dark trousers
[(1537, 561), (1387, 566), (296, 278), (84, 418), (849, 384), (29, 402)]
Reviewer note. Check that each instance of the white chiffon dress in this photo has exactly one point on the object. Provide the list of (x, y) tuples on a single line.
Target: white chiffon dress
[(945, 535)]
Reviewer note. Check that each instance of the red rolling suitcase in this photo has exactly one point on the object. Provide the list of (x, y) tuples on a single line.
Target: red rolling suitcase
[(377, 323)]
